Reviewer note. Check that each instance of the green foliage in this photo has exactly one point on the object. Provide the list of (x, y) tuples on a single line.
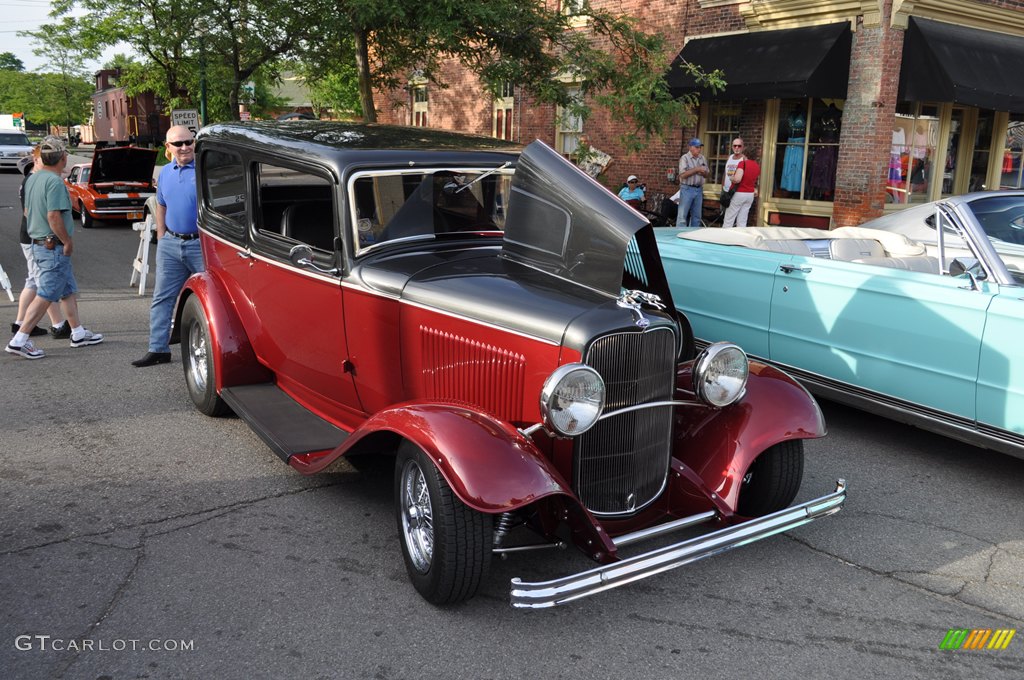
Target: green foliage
[(347, 48), (50, 98), (10, 62)]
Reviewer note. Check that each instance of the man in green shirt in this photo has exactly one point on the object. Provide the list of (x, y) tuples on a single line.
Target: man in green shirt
[(48, 211)]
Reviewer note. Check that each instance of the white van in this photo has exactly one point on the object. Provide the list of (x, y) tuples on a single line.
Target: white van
[(14, 144)]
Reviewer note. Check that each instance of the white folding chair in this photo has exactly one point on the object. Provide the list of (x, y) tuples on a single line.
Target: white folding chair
[(5, 282), (140, 266)]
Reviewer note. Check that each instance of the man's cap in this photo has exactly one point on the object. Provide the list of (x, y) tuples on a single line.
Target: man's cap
[(696, 142), (52, 144), (632, 178)]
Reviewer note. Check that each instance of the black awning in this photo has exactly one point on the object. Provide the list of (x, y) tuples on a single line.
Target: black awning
[(795, 62), (948, 63)]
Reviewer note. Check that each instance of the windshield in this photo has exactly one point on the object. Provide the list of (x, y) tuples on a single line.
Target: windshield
[(392, 205), (1002, 218), (14, 139)]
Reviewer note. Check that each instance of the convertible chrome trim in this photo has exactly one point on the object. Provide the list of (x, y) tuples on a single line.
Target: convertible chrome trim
[(560, 591), (940, 422)]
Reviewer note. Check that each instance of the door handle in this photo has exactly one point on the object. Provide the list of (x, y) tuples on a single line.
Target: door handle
[(790, 268), (243, 254)]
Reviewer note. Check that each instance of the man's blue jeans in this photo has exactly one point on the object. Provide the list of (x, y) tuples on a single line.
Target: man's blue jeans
[(691, 200), (176, 260)]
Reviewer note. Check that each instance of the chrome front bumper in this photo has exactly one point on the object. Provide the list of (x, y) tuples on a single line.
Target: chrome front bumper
[(606, 577)]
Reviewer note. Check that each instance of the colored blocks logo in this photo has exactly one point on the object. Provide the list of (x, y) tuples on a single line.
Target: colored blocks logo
[(978, 638)]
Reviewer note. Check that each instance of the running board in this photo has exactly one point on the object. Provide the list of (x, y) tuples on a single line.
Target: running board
[(281, 422), (608, 576)]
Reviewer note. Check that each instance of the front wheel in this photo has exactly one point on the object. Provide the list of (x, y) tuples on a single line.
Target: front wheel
[(87, 219), (773, 479), (446, 544), (198, 360)]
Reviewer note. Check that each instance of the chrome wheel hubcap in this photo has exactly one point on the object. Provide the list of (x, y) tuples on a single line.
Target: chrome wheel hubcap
[(417, 516), (197, 356)]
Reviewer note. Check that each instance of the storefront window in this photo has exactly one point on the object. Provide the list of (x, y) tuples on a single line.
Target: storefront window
[(807, 149), (915, 135), (723, 127), (982, 151), (1012, 152)]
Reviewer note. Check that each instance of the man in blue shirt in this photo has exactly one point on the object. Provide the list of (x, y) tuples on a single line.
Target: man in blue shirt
[(178, 253)]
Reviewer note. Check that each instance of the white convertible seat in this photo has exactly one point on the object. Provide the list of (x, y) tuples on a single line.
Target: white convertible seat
[(793, 247), (768, 238), (855, 248), (919, 263)]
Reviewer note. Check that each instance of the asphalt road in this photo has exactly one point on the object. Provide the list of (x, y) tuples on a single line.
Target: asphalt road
[(129, 521)]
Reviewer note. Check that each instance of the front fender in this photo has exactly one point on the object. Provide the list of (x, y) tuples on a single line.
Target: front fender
[(235, 361), (720, 444), (489, 465)]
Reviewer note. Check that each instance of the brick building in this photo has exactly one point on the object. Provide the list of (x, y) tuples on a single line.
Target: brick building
[(853, 107)]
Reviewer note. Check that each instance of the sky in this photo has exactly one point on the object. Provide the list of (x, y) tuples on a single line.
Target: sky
[(28, 15)]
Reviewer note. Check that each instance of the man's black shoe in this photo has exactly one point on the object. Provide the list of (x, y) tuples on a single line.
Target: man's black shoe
[(36, 332), (62, 332), (153, 358)]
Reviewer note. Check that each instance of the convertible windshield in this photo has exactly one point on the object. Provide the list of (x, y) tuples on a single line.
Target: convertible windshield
[(388, 206)]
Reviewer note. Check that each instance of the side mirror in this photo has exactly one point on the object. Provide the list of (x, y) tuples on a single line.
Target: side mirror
[(967, 265), (301, 255)]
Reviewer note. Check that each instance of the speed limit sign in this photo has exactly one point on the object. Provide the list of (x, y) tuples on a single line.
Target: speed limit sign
[(187, 117)]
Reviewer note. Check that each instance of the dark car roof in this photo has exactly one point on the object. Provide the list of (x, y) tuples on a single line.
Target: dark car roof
[(339, 135)]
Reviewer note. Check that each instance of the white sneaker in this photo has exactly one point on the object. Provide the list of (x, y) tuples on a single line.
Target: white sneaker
[(27, 351), (87, 338)]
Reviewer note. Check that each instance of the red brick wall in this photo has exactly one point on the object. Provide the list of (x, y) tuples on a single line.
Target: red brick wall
[(867, 122)]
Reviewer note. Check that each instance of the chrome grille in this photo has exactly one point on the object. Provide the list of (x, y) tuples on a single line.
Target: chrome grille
[(620, 465)]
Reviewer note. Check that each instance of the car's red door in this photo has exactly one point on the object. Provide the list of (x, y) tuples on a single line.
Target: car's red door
[(297, 325)]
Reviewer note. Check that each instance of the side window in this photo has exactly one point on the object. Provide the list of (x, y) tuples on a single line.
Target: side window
[(224, 191), (295, 205)]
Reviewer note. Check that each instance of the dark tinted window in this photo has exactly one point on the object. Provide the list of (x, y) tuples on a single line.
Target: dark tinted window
[(296, 204), (224, 187), (14, 139)]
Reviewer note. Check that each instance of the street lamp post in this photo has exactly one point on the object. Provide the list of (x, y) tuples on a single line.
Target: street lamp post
[(201, 32), (202, 82)]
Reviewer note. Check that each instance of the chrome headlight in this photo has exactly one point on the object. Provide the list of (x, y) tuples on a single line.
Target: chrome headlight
[(720, 374), (572, 399)]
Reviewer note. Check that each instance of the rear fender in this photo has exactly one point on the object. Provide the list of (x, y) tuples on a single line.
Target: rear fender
[(235, 362), (720, 444)]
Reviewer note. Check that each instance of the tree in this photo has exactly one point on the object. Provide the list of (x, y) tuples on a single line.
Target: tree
[(63, 95), (9, 62), (237, 41), (527, 42)]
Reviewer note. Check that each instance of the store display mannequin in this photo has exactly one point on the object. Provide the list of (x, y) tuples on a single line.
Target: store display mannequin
[(793, 159)]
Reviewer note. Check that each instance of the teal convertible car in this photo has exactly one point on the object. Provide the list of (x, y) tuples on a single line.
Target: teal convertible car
[(898, 317)]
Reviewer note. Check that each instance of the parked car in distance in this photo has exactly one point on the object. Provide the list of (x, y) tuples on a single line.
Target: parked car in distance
[(896, 317), (14, 145), (498, 325), (114, 186)]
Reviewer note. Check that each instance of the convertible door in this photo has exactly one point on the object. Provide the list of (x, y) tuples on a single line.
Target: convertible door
[(914, 336), (726, 291), (1001, 369)]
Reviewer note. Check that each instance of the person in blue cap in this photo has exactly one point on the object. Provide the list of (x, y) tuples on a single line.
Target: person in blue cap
[(693, 172)]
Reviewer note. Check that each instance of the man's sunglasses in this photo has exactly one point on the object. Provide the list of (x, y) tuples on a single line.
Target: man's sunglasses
[(184, 142)]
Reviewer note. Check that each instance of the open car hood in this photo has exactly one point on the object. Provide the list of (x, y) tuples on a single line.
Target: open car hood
[(560, 221), (122, 164)]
